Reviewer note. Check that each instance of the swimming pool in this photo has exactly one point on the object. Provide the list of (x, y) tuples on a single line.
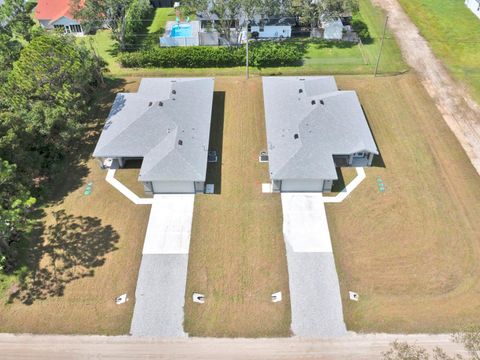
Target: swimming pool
[(181, 30)]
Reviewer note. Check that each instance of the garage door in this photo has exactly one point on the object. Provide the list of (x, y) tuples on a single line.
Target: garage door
[(302, 185), (173, 187)]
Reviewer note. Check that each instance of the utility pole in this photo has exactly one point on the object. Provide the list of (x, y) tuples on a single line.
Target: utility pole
[(381, 46), (246, 49)]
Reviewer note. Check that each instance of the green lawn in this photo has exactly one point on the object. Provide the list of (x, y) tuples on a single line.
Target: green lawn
[(162, 15), (453, 32), (320, 57)]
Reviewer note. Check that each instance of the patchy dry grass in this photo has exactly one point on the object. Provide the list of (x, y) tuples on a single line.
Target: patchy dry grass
[(412, 252), (237, 254)]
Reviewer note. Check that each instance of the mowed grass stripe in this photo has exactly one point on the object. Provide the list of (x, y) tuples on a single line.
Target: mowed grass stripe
[(237, 254)]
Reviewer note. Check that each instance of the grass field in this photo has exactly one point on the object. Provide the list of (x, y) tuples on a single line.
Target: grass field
[(319, 58), (453, 32), (237, 254), (85, 253), (411, 252)]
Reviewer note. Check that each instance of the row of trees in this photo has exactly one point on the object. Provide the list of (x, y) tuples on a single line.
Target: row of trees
[(125, 17), (46, 82), (309, 12)]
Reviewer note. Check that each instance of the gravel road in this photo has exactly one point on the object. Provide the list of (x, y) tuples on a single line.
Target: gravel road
[(460, 111)]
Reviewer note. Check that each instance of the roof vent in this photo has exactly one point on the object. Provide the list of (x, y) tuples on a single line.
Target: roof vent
[(313, 102), (295, 136), (180, 142), (174, 92), (300, 91), (150, 103), (322, 102), (160, 103)]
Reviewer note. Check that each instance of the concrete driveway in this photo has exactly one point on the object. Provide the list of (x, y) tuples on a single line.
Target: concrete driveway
[(314, 288), (160, 293)]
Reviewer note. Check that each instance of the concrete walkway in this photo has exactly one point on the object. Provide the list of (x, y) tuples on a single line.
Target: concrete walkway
[(352, 185), (160, 293), (313, 281), (125, 190)]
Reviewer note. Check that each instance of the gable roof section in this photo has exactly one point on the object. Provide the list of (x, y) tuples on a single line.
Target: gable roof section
[(167, 123), (303, 134), (52, 10)]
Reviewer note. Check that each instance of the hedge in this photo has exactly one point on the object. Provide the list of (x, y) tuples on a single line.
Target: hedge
[(262, 54)]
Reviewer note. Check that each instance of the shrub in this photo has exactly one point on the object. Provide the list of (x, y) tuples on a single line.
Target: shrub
[(262, 54), (361, 28), (268, 54)]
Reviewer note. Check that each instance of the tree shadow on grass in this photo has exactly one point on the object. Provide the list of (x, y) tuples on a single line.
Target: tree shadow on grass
[(72, 248)]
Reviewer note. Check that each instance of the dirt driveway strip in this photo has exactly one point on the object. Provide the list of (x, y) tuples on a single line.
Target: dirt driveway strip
[(460, 111)]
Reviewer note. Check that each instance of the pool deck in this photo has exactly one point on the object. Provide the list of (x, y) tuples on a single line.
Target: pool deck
[(193, 40)]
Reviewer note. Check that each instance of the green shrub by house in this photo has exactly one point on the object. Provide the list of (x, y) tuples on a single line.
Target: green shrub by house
[(262, 54)]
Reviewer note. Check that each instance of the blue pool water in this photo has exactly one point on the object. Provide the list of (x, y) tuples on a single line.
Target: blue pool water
[(181, 30)]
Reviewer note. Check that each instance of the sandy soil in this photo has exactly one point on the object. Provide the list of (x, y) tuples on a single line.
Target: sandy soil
[(368, 347), (460, 111)]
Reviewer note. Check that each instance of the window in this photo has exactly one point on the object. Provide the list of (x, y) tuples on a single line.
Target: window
[(359, 155), (76, 28)]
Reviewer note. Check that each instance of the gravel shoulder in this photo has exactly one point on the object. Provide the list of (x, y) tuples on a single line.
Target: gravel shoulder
[(368, 347)]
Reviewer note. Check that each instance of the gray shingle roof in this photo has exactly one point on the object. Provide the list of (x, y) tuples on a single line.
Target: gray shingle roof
[(167, 122), (303, 134)]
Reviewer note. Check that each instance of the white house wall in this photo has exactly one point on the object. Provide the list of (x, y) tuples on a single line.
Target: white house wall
[(173, 187), (273, 31), (474, 6), (302, 185)]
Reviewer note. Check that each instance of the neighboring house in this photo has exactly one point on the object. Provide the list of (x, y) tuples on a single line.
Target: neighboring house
[(56, 14), (265, 28), (474, 5), (332, 30), (167, 125), (313, 128), (276, 28)]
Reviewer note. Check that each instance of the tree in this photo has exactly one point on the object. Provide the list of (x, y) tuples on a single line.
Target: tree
[(15, 205), (112, 14), (46, 96), (136, 16), (15, 19), (232, 14), (404, 351), (469, 338), (307, 11), (311, 12), (9, 52), (334, 9)]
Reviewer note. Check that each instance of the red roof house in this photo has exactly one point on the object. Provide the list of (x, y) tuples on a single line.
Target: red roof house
[(56, 14)]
